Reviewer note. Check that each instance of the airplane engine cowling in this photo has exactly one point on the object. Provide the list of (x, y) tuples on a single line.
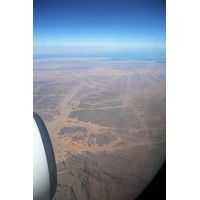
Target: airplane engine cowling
[(44, 165)]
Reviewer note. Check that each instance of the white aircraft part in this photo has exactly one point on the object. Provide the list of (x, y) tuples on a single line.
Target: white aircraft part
[(41, 180)]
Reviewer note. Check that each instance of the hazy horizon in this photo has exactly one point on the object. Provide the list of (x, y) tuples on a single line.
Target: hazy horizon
[(62, 27)]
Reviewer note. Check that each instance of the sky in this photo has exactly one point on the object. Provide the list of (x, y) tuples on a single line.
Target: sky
[(98, 26)]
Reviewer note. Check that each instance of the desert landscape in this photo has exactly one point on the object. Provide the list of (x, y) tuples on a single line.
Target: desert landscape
[(107, 123)]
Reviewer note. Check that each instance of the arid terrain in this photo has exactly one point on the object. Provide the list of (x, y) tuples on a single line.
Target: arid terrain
[(106, 120)]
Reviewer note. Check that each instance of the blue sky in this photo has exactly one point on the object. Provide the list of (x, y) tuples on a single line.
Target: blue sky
[(64, 26)]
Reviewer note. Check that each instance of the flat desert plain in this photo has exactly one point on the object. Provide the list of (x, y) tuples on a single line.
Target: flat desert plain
[(106, 119)]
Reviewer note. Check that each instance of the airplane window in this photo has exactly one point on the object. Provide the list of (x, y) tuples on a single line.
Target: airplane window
[(99, 72)]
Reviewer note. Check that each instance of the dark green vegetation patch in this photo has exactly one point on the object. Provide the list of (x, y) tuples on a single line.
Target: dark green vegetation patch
[(103, 139), (114, 117), (101, 105), (73, 129), (100, 97), (120, 144)]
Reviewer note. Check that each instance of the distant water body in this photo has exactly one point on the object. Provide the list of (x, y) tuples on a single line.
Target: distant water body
[(114, 59), (107, 56)]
